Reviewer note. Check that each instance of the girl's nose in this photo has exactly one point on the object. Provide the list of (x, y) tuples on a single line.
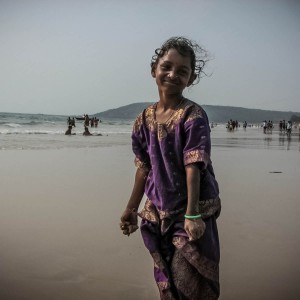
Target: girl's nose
[(173, 75)]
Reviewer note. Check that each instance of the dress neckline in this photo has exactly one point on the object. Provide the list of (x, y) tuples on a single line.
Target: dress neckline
[(177, 107)]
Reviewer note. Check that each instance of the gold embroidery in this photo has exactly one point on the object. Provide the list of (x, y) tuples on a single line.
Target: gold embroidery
[(195, 156), (179, 241), (210, 207), (205, 266), (141, 165), (189, 282), (162, 285), (158, 261), (150, 117), (176, 117), (138, 123), (162, 130), (196, 113), (149, 212)]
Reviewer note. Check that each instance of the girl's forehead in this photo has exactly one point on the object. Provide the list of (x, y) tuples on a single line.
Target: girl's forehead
[(173, 56)]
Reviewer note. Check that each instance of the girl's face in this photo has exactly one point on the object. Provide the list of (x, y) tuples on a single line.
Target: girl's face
[(173, 72)]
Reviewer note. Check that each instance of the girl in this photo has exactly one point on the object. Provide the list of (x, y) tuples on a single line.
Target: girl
[(171, 143)]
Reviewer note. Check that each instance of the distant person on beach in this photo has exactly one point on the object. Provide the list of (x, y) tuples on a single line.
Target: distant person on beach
[(230, 125), (69, 130), (283, 125), (280, 126), (71, 122), (265, 126), (86, 131), (172, 146), (86, 120), (289, 128), (269, 126)]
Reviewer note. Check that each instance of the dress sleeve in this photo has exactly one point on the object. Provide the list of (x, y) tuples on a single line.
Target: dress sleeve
[(139, 145), (197, 139)]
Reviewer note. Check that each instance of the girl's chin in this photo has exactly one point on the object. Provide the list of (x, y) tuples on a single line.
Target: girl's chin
[(172, 89)]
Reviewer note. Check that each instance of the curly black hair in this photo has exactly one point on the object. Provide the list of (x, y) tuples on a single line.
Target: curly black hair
[(185, 47)]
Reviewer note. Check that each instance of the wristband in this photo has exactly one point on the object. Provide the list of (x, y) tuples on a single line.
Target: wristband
[(193, 217)]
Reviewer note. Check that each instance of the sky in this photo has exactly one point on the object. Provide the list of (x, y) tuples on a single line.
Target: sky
[(72, 57)]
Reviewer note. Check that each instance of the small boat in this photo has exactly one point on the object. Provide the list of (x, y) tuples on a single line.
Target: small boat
[(83, 118)]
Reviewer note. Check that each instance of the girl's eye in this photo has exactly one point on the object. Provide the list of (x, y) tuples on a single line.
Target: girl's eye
[(183, 72), (164, 67)]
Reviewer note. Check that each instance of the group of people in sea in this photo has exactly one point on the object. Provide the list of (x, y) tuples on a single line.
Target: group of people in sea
[(232, 125), (285, 127), (267, 126), (71, 122), (87, 121), (93, 122)]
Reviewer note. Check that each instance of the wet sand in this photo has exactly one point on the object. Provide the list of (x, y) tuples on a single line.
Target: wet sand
[(59, 225)]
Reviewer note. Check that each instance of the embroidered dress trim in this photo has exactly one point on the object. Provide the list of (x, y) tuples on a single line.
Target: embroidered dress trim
[(153, 215)]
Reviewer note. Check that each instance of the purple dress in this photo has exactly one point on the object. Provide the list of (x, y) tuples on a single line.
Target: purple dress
[(182, 269)]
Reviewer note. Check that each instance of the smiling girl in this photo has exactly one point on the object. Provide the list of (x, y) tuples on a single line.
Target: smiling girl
[(172, 147)]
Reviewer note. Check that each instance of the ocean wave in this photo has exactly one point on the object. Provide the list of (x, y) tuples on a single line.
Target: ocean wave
[(61, 132), (11, 125), (32, 132), (19, 123)]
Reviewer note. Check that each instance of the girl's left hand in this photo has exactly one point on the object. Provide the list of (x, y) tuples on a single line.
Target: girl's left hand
[(194, 228)]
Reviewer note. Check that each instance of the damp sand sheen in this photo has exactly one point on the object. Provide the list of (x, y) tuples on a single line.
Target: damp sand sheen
[(60, 210)]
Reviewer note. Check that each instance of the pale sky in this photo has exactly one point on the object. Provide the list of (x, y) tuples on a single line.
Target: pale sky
[(82, 56)]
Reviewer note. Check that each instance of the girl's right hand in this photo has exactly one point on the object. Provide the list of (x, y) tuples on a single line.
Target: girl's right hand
[(129, 221)]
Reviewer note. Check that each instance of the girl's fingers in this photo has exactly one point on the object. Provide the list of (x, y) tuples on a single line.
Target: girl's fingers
[(132, 228), (189, 234), (124, 225), (195, 231), (128, 228)]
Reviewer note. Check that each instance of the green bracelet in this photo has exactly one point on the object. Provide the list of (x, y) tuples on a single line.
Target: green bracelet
[(193, 217)]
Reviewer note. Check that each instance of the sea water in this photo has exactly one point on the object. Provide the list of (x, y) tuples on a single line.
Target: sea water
[(39, 131)]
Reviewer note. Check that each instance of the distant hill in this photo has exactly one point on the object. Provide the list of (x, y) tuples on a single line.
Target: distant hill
[(219, 114)]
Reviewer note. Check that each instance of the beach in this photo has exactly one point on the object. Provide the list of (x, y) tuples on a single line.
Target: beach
[(60, 211)]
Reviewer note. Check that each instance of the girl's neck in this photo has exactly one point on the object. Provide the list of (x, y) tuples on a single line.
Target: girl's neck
[(169, 101), (164, 110)]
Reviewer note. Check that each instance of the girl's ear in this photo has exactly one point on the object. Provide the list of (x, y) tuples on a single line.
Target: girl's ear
[(153, 69), (192, 79)]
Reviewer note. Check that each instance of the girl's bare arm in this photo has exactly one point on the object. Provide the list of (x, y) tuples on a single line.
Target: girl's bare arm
[(129, 217), (194, 227), (193, 189), (138, 190)]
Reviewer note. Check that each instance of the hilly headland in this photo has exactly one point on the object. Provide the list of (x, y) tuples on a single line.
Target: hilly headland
[(216, 113)]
